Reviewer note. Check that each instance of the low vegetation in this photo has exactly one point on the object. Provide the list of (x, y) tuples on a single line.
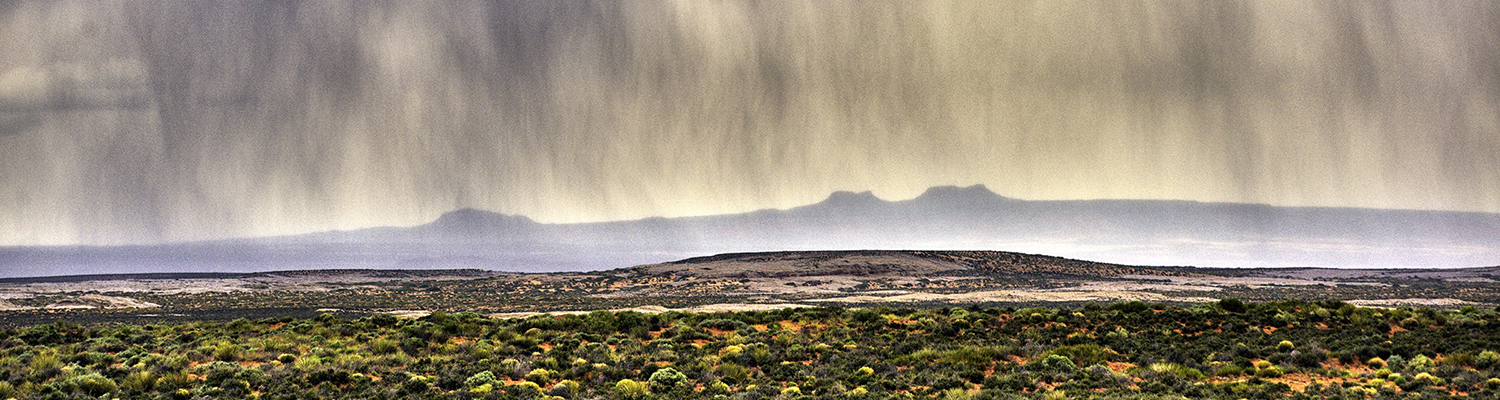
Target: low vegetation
[(1228, 349)]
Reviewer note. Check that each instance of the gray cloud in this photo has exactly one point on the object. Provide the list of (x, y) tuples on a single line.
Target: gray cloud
[(73, 87), (15, 124), (156, 121)]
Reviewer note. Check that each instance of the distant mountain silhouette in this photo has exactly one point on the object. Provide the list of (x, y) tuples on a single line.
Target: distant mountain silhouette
[(1141, 232), (960, 196), (469, 223), (847, 201)]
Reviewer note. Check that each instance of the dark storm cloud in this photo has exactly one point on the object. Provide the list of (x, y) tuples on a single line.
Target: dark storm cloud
[(149, 121)]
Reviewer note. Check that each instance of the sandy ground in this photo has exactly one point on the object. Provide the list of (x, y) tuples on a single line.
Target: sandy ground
[(809, 264), (831, 284), (1440, 302), (1016, 296), (1144, 286), (1251, 282), (1449, 274), (294, 282), (87, 301), (101, 301), (711, 308), (409, 313), (289, 282), (117, 302)]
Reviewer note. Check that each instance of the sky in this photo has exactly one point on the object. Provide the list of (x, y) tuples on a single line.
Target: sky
[(153, 121)]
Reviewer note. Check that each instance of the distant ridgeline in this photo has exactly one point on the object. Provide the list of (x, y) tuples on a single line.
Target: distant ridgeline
[(1141, 232)]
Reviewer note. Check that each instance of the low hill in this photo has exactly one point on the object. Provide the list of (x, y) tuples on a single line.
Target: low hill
[(909, 263)]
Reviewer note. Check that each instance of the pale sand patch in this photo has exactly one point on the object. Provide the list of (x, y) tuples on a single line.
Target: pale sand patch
[(117, 301), (728, 307), (100, 301), (810, 264), (8, 306), (409, 313), (1017, 296), (1251, 282), (67, 306), (1441, 302), (293, 281), (1143, 286), (711, 308)]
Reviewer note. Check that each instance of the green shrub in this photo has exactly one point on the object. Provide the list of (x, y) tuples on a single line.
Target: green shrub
[(731, 351), (1308, 358), (384, 346), (45, 361), (717, 387), (722, 324), (482, 389), (666, 379), (1057, 363), (94, 384), (1492, 384), (480, 379), (733, 372), (1420, 363), (1395, 362), (1427, 379), (215, 373), (228, 352), (541, 376), (1232, 305), (172, 380), (139, 381), (565, 389), (92, 358), (1083, 354), (525, 390), (414, 385), (1176, 370), (1460, 359), (308, 363), (629, 389), (1487, 359), (1320, 314)]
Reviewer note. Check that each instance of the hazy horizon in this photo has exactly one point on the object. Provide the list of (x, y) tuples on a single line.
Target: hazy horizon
[(870, 193), (1132, 232)]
